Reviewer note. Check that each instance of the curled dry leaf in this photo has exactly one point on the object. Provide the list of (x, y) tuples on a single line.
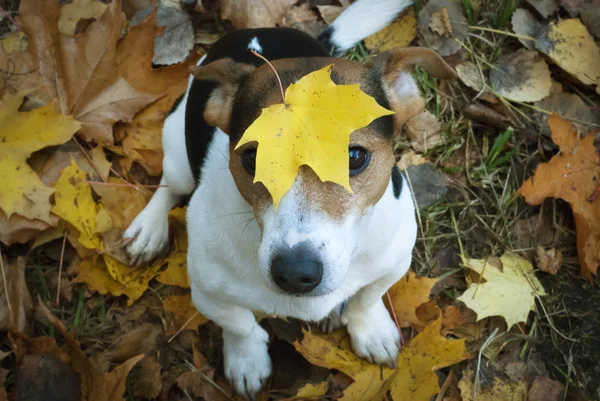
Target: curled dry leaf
[(183, 314), (509, 290), (21, 134), (545, 7), (522, 76), (16, 305), (485, 115), (78, 10), (500, 390), (407, 295), (572, 48), (255, 13), (549, 260), (424, 131), (398, 34), (18, 229), (572, 176), (524, 23), (441, 25)]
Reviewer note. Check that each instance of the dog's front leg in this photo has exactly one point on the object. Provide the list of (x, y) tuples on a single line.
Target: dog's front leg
[(245, 343), (373, 333)]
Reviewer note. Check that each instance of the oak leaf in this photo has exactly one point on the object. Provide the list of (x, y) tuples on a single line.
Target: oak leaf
[(407, 295), (413, 380), (572, 176), (312, 128), (509, 291), (21, 134)]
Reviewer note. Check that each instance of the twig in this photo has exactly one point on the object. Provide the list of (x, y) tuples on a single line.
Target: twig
[(514, 35), (60, 267), (12, 317), (114, 184), (122, 241), (445, 386), (395, 317), (183, 327), (260, 56)]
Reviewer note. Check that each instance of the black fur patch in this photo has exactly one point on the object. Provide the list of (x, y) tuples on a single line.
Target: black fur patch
[(397, 182)]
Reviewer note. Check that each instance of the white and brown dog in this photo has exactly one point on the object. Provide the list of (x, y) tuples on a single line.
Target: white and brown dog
[(326, 254)]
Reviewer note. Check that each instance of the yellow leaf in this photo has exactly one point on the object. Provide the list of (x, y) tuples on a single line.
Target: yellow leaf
[(407, 295), (15, 42), (313, 128), (509, 292), (569, 44), (310, 391), (398, 34), (176, 272), (75, 205), (413, 380), (182, 313), (500, 390), (21, 134), (131, 277)]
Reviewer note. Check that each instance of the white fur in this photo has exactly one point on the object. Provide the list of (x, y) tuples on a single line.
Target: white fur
[(364, 18), (255, 45)]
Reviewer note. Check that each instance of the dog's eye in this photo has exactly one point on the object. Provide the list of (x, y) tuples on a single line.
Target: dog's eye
[(249, 160), (359, 159)]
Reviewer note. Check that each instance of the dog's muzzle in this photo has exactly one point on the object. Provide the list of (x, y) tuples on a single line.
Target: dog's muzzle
[(297, 270)]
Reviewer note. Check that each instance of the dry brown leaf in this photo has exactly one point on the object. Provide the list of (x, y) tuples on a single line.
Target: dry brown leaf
[(72, 13), (545, 389), (522, 76), (549, 261), (46, 377), (410, 158), (84, 82), (471, 75), (123, 203), (571, 176), (443, 16), (572, 48), (545, 7), (424, 131), (407, 295), (566, 105), (182, 313), (255, 13), (398, 34), (501, 390), (140, 340), (18, 229), (453, 317), (330, 13), (200, 383), (524, 23), (16, 305), (95, 386)]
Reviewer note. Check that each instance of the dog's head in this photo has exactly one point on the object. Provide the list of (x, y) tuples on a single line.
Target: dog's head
[(308, 243)]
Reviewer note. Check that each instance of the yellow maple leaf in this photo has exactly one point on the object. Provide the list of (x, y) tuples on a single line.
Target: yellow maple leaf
[(508, 292), (407, 295), (312, 128), (21, 134), (413, 380)]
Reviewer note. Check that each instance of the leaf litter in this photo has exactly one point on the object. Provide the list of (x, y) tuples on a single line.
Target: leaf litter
[(121, 151)]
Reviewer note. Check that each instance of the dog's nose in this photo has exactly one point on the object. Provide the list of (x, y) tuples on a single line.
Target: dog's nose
[(297, 270)]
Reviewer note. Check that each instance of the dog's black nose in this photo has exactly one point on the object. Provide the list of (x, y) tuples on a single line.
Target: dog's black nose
[(297, 270)]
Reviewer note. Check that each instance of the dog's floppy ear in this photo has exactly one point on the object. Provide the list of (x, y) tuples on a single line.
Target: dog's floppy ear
[(228, 76), (396, 67)]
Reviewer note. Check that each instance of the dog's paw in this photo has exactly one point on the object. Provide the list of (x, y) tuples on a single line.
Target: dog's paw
[(375, 338), (148, 235), (333, 321), (247, 362)]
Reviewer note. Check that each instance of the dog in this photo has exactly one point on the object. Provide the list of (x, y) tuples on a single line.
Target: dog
[(325, 255)]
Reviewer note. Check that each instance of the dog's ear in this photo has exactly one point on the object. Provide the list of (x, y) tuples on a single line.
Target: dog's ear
[(228, 76), (395, 69)]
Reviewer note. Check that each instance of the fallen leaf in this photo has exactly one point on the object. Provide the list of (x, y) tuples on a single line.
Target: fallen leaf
[(410, 158), (307, 136), (549, 261), (571, 176), (310, 392), (427, 184), (176, 271), (484, 115), (72, 13), (46, 377), (22, 71), (424, 131), (522, 76), (16, 305), (453, 317), (433, 17), (414, 379), (329, 13), (176, 42), (19, 229), (566, 105), (407, 295), (499, 390), (255, 13), (21, 134), (95, 386), (50, 168), (304, 18), (545, 7), (140, 340), (524, 23), (509, 290), (398, 34), (471, 76), (122, 203), (572, 48), (14, 42), (182, 314), (84, 82), (545, 389), (590, 16)]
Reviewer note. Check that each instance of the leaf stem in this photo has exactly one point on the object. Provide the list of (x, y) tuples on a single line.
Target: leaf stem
[(260, 56)]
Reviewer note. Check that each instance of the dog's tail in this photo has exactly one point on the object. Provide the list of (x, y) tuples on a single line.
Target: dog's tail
[(361, 19)]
